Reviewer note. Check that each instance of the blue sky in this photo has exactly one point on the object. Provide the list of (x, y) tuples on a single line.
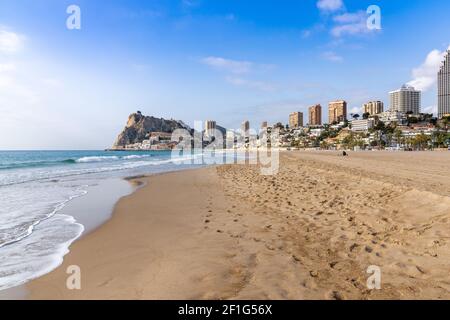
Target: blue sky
[(227, 60)]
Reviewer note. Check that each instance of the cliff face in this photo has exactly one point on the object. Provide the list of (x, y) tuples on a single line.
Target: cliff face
[(139, 126)]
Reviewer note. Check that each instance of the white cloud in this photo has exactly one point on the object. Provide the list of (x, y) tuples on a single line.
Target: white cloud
[(330, 5), (233, 66), (350, 23), (52, 82), (5, 67), (425, 76), (12, 92), (331, 56), (253, 84), (236, 69), (190, 3), (10, 42), (349, 17)]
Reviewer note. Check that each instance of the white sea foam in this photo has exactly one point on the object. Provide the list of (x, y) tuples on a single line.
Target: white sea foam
[(41, 252), (135, 156), (96, 159)]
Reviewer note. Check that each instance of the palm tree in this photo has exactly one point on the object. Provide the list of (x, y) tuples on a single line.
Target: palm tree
[(398, 134)]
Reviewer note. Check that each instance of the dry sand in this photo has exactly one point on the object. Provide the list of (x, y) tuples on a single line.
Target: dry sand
[(310, 232)]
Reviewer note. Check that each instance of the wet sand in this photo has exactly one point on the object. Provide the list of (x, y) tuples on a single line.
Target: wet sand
[(309, 232)]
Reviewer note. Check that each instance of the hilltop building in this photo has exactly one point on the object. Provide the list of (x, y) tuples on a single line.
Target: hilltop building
[(337, 111), (405, 100), (245, 128), (373, 107), (389, 117), (315, 115), (296, 120), (210, 127), (362, 125)]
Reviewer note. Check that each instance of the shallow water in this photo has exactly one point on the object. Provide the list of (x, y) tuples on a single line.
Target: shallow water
[(48, 199)]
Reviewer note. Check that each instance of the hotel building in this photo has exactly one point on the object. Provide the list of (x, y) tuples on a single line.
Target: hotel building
[(315, 115), (389, 117), (444, 87), (362, 125), (210, 127), (245, 128), (373, 107), (296, 120), (337, 111), (405, 100)]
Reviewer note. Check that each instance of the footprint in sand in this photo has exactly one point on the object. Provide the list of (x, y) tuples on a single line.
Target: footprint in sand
[(335, 295)]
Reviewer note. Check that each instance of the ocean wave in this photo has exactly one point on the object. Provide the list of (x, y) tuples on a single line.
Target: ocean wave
[(43, 251), (135, 156), (21, 232), (97, 159), (33, 164), (49, 163)]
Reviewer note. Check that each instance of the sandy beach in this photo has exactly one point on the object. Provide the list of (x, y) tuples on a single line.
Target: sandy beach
[(309, 232)]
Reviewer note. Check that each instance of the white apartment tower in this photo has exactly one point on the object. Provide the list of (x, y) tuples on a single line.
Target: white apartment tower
[(406, 99), (444, 87)]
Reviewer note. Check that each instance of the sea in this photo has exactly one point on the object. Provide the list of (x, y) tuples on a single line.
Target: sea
[(48, 199)]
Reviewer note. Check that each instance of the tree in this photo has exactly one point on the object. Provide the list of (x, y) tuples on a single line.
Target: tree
[(421, 141), (279, 125), (446, 121), (440, 139), (398, 134), (324, 145), (413, 120), (366, 115)]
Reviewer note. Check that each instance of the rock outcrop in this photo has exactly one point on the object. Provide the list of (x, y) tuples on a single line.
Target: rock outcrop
[(139, 127)]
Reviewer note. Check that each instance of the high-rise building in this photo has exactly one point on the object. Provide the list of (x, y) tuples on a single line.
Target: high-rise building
[(315, 115), (296, 120), (444, 87), (337, 111), (264, 125), (405, 100), (210, 127), (373, 107), (245, 128)]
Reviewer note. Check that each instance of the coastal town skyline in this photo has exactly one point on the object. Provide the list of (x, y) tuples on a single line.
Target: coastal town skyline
[(164, 60)]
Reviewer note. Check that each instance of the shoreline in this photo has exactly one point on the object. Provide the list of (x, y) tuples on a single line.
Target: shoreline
[(102, 197), (80, 208), (34, 287), (180, 237)]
